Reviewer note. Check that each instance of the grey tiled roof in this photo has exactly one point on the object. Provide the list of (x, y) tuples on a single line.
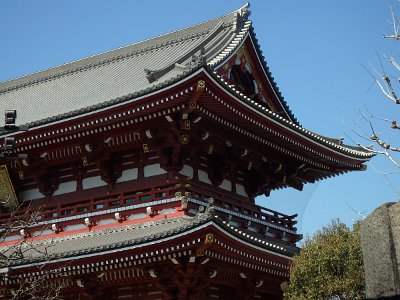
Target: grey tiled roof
[(84, 85), (125, 237)]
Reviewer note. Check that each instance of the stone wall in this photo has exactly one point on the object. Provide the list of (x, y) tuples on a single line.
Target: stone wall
[(380, 238)]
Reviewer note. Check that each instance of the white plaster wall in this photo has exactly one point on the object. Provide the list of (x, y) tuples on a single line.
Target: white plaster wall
[(167, 211), (75, 227), (106, 221), (137, 216), (30, 195), (203, 176), (233, 223), (240, 190), (65, 187), (252, 229), (92, 182), (187, 171), (44, 232), (153, 170), (12, 238), (226, 185), (129, 174)]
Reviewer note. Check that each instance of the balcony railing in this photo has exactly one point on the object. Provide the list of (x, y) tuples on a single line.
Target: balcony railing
[(243, 206), (223, 199)]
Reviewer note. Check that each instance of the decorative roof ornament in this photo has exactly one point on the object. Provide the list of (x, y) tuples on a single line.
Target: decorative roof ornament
[(185, 63), (198, 59), (244, 11)]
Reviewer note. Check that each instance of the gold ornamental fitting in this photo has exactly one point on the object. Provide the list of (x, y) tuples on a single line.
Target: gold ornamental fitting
[(209, 238), (178, 194), (211, 149), (201, 84), (85, 162), (184, 139), (146, 148), (187, 124), (200, 252)]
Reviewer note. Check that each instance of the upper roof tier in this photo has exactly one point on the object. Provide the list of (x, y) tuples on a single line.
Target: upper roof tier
[(226, 47), (79, 86)]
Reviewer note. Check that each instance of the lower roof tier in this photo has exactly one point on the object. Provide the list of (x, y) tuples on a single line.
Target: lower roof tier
[(158, 248)]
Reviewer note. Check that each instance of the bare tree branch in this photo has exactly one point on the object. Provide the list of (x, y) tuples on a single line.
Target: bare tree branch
[(395, 23), (34, 287)]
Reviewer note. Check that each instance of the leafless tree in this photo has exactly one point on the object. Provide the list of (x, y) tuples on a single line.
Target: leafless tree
[(383, 132), (42, 286)]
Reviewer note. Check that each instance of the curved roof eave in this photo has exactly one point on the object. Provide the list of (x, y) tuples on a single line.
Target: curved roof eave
[(346, 150)]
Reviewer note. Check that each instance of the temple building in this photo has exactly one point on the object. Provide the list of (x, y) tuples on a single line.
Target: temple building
[(141, 166)]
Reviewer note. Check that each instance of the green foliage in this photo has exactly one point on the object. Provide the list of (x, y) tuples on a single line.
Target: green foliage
[(329, 266)]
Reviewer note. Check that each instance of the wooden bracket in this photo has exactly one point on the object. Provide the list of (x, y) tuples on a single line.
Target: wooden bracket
[(201, 84)]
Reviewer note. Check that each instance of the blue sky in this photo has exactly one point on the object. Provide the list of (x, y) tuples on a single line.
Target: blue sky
[(316, 51)]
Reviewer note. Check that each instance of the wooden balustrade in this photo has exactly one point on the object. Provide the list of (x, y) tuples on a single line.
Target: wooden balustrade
[(242, 205), (199, 191), (114, 200)]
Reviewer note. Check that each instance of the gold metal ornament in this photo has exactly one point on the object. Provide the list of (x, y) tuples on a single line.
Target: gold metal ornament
[(85, 162)]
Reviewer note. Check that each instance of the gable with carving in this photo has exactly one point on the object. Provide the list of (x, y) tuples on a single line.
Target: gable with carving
[(243, 71)]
